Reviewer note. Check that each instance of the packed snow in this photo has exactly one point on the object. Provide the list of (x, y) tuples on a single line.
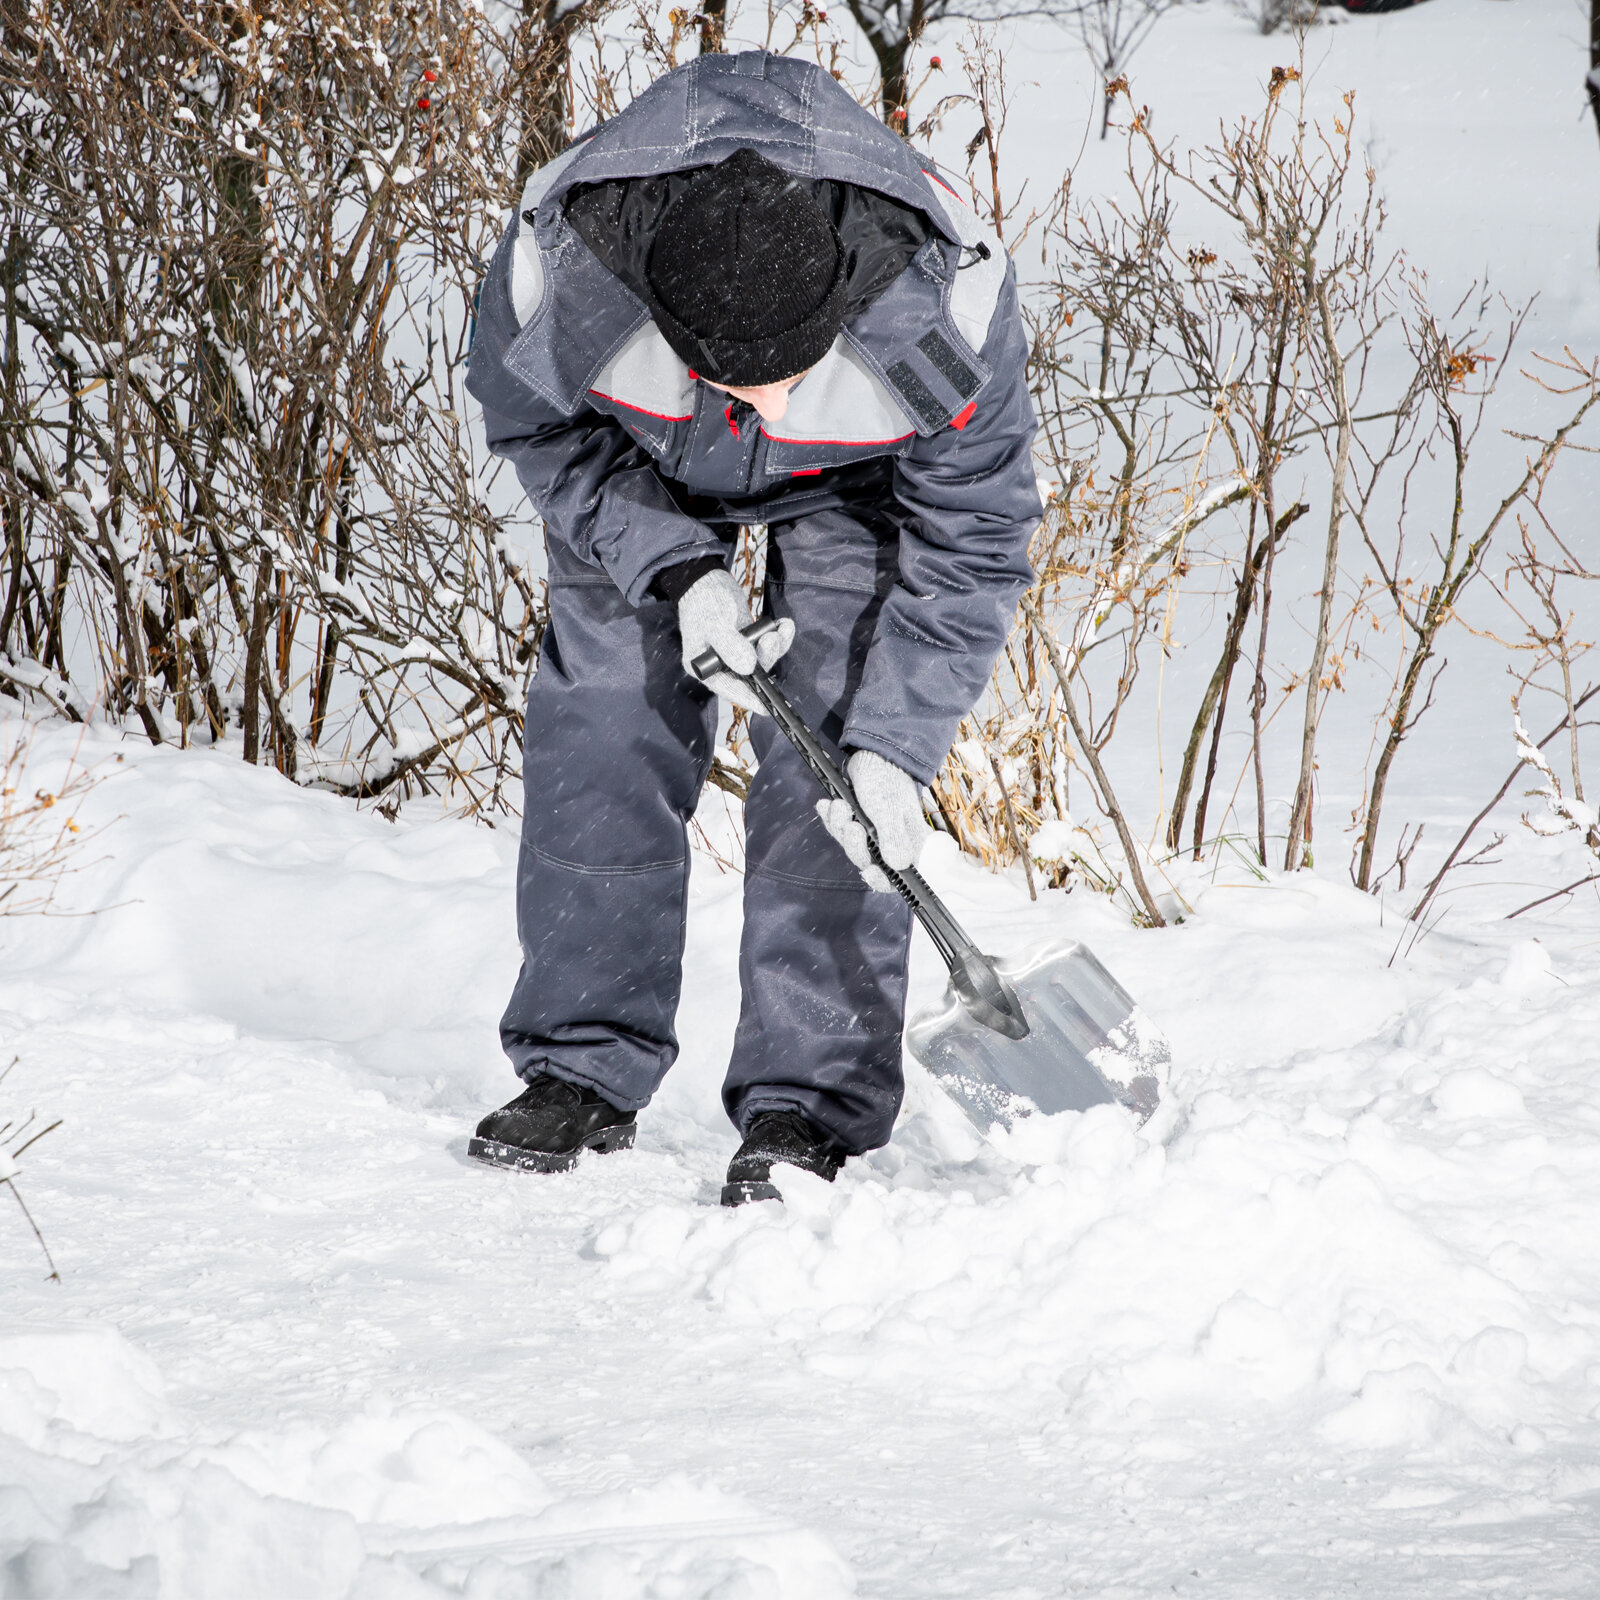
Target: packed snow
[(1328, 1323)]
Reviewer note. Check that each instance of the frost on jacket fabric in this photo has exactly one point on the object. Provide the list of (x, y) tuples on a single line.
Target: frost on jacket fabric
[(920, 408)]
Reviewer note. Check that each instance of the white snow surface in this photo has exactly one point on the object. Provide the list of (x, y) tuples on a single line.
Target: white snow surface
[(1329, 1324)]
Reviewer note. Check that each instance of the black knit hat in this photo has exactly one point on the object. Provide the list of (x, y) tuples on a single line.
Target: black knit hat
[(747, 274)]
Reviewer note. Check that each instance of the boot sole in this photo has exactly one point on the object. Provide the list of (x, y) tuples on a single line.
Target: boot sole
[(739, 1194), (602, 1141)]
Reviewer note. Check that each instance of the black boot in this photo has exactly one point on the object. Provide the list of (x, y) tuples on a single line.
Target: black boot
[(777, 1136), (549, 1125)]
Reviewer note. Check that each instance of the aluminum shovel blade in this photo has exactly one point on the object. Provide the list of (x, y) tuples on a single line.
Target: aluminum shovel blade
[(1087, 1043)]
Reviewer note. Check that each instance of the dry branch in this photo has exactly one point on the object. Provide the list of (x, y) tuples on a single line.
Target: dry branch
[(1086, 747)]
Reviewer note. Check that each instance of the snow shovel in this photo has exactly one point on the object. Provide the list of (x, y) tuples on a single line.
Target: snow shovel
[(1052, 1031)]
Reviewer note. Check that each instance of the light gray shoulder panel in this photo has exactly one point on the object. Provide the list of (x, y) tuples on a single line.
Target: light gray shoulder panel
[(841, 401), (646, 375), (527, 267), (976, 289)]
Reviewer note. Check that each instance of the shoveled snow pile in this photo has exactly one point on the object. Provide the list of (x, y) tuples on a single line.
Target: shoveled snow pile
[(1329, 1321), (110, 1493), (213, 1130)]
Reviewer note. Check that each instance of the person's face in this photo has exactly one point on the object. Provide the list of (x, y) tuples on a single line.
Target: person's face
[(770, 400)]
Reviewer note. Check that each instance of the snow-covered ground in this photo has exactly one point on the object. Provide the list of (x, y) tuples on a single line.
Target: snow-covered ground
[(1329, 1324)]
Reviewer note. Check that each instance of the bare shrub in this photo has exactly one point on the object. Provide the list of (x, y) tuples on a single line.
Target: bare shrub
[(1112, 31), (241, 246), (1274, 16), (1543, 582), (1455, 377), (1195, 398), (241, 501), (1174, 382)]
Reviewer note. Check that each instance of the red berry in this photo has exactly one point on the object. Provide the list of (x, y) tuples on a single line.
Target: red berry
[(424, 103), (935, 63), (430, 76)]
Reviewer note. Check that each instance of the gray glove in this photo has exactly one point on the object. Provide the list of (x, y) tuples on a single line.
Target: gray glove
[(711, 611), (892, 801)]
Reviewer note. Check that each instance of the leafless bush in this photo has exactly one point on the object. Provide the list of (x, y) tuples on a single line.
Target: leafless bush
[(241, 245), (1272, 16), (1175, 382), (240, 498), (1278, 324), (1195, 397), (1112, 32), (1455, 378), (1543, 580)]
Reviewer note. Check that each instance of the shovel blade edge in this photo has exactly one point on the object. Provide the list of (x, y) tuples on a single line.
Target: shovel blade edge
[(1088, 1044)]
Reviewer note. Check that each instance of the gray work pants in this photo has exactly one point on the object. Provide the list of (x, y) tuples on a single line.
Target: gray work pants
[(617, 746)]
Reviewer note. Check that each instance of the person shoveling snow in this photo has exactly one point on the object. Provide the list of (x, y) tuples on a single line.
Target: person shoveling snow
[(743, 300)]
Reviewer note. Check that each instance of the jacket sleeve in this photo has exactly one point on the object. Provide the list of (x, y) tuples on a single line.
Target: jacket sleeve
[(597, 490), (970, 502)]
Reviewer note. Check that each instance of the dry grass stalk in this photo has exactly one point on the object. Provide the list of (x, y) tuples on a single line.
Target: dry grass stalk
[(39, 830), (18, 1135)]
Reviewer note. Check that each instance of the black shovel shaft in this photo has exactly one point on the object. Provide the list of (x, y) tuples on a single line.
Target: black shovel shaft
[(972, 973), (943, 928)]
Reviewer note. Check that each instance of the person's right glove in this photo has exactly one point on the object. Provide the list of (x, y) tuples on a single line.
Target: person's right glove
[(893, 804), (711, 614)]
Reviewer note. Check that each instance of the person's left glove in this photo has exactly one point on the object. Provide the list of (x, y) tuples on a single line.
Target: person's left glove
[(892, 801), (711, 614)]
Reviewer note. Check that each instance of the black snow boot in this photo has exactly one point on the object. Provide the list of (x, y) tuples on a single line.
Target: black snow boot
[(549, 1125), (777, 1136)]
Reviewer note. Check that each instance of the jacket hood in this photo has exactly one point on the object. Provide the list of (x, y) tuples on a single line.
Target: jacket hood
[(792, 111), (567, 315)]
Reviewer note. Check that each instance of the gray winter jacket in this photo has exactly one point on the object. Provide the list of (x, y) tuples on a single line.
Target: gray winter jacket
[(922, 401)]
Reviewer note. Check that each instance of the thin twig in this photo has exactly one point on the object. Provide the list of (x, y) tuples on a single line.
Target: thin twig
[(1594, 877), (1108, 799), (1499, 795), (1011, 823), (16, 1154), (55, 1275)]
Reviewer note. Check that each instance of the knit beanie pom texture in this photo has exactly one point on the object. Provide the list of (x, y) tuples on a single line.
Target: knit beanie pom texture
[(747, 274)]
